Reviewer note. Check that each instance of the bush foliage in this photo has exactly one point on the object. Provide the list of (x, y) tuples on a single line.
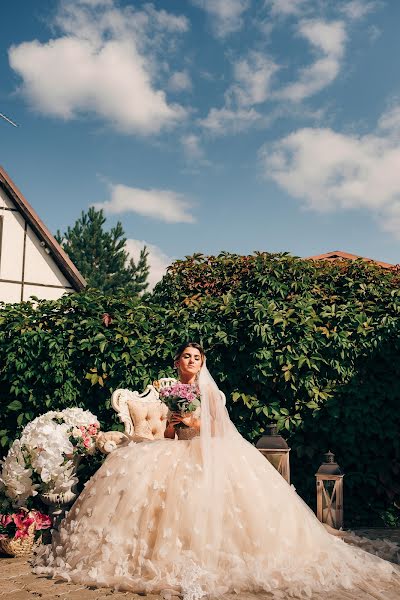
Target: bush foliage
[(313, 347)]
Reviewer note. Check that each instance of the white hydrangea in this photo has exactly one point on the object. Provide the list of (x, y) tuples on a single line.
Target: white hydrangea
[(45, 448), (75, 417)]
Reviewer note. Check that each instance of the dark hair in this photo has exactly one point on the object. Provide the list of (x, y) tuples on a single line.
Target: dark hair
[(183, 347)]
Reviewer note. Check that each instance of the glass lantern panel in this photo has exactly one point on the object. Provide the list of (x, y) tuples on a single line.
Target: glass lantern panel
[(275, 460), (329, 512)]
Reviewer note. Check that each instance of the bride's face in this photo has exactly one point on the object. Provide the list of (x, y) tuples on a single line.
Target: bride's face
[(189, 363)]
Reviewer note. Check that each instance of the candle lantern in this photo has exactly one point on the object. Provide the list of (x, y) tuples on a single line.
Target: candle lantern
[(275, 449), (329, 479)]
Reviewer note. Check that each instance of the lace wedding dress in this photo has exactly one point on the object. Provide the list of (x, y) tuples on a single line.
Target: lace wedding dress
[(205, 516)]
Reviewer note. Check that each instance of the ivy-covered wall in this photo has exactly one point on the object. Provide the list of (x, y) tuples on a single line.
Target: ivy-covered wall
[(314, 347)]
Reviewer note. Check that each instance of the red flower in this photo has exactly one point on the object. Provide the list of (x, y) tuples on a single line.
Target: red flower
[(23, 522), (5, 520), (41, 521)]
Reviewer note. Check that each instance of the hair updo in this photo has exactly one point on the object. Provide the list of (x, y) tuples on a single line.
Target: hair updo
[(183, 347)]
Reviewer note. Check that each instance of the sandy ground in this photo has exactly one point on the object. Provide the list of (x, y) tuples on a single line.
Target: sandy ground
[(18, 583)]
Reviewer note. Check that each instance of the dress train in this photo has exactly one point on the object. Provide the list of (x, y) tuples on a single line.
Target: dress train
[(141, 525)]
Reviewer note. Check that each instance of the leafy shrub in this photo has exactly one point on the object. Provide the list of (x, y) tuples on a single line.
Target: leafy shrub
[(313, 347)]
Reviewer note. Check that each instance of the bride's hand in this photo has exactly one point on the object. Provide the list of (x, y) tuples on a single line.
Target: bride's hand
[(191, 421), (175, 418)]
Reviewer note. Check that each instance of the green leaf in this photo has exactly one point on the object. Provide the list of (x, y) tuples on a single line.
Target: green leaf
[(15, 405)]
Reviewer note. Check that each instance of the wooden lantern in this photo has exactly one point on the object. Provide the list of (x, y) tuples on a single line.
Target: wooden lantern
[(329, 479), (276, 451)]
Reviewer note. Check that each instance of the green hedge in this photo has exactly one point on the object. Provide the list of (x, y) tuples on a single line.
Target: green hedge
[(313, 347)]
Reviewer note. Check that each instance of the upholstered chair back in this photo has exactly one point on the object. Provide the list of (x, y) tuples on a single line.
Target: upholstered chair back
[(144, 415), (149, 418)]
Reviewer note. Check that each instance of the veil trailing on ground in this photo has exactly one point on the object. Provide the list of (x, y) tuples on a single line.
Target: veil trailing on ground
[(218, 436)]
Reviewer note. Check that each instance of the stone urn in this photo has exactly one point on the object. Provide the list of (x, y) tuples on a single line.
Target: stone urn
[(59, 503)]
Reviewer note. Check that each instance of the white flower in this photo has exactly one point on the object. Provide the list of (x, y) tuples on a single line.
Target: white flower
[(15, 476), (44, 445)]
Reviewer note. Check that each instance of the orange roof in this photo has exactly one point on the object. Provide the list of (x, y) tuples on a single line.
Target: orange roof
[(339, 255), (60, 257)]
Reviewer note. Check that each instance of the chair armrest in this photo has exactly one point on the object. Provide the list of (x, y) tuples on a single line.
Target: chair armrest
[(108, 441)]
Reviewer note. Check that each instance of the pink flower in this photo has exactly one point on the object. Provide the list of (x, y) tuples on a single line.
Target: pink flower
[(5, 520), (42, 521), (23, 522), (86, 442)]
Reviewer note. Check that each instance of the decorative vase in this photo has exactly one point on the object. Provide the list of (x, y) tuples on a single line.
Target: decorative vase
[(19, 547), (59, 503), (187, 433)]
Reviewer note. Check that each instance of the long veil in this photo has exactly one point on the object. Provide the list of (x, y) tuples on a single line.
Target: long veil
[(216, 431), (218, 439)]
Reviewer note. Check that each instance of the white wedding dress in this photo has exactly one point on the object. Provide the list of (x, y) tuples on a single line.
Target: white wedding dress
[(205, 516)]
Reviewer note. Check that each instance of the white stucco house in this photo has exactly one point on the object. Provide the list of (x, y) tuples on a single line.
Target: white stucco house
[(32, 263)]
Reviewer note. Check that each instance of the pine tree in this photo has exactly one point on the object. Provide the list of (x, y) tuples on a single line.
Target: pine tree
[(101, 256)]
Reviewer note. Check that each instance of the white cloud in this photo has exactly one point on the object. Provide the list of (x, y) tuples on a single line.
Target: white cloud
[(180, 82), (222, 121), (105, 62), (252, 79), (192, 148), (389, 122), (226, 15), (285, 7), (157, 260), (357, 9), (251, 86), (164, 205), (327, 38), (374, 33), (331, 171)]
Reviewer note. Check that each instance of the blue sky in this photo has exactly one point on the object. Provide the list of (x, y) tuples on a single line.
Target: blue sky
[(209, 125)]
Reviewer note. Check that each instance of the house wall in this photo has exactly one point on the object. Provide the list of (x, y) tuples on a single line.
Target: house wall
[(26, 268)]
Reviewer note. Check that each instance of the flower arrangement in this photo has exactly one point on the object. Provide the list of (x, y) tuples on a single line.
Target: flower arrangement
[(20, 530), (181, 398), (43, 460), (18, 525)]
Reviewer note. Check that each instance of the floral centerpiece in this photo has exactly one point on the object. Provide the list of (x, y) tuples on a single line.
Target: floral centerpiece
[(19, 530), (181, 398), (44, 459)]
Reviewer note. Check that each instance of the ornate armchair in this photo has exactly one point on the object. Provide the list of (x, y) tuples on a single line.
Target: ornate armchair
[(144, 416)]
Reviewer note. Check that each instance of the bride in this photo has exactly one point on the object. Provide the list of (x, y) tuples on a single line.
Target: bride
[(207, 515)]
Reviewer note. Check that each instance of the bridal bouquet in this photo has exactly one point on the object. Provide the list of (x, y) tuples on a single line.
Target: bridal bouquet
[(43, 460), (181, 397)]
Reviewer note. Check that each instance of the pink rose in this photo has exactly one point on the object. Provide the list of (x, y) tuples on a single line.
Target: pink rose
[(86, 442)]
